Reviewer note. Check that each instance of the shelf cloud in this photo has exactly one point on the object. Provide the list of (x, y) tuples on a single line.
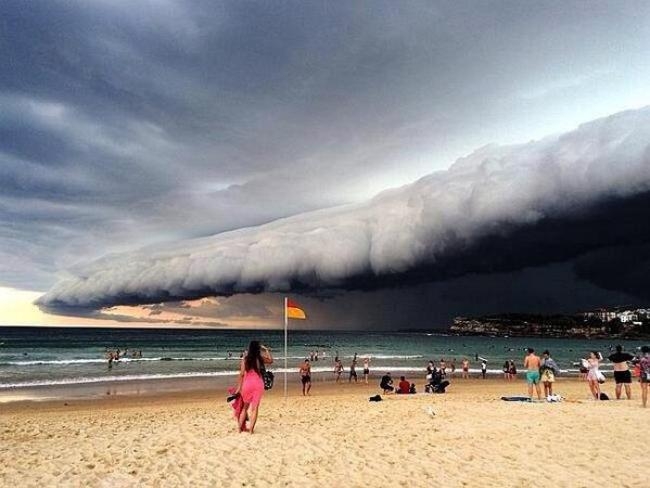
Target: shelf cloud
[(501, 208)]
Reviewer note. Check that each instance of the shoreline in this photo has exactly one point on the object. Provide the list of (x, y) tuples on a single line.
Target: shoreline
[(161, 391)]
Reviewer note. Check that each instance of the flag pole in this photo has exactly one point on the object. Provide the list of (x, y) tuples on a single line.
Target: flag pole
[(286, 323)]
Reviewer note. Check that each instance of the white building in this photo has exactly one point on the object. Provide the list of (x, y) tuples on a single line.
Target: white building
[(627, 316)]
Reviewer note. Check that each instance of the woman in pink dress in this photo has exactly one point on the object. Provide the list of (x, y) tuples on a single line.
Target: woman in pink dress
[(251, 385)]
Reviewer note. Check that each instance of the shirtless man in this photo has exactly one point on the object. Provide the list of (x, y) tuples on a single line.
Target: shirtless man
[(305, 377), (532, 363), (622, 375)]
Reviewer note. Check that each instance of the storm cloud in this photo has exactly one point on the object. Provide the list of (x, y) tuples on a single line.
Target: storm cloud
[(441, 226), (129, 124)]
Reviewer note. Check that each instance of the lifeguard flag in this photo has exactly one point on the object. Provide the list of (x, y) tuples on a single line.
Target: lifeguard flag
[(294, 311)]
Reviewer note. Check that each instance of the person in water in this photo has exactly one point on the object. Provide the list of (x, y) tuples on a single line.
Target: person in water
[(250, 384), (532, 364)]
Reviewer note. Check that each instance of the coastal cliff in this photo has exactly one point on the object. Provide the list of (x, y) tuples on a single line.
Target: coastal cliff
[(561, 326)]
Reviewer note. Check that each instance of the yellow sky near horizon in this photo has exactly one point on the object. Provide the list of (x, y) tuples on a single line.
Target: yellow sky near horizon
[(17, 308)]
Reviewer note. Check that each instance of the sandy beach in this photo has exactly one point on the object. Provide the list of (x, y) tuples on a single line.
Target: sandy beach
[(334, 437)]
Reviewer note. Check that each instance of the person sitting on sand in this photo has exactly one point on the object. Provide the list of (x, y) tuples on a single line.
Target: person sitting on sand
[(403, 386), (386, 383), (532, 363), (305, 377)]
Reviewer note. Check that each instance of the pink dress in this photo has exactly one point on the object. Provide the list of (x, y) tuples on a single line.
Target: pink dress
[(252, 388)]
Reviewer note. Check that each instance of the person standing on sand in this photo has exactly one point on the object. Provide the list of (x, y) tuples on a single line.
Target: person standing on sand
[(484, 368), (532, 363), (548, 370), (513, 370), (465, 366), (250, 384), (506, 371), (338, 369), (305, 377), (622, 374), (644, 379), (453, 366), (366, 369), (593, 373), (353, 369)]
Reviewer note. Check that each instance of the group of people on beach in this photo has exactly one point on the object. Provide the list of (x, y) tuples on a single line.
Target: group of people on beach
[(623, 375), (339, 369), (539, 371), (542, 370)]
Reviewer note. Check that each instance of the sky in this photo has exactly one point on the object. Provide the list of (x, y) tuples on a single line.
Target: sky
[(385, 162)]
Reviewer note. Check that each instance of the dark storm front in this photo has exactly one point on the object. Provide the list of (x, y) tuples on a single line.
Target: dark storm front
[(60, 356)]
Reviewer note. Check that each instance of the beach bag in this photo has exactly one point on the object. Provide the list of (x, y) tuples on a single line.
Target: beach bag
[(267, 377)]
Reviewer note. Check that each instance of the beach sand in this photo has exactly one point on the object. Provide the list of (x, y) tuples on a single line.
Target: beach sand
[(335, 438)]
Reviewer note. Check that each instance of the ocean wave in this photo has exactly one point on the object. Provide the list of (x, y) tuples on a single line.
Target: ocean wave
[(38, 362)]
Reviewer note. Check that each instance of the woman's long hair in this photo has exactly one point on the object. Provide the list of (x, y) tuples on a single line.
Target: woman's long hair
[(253, 357)]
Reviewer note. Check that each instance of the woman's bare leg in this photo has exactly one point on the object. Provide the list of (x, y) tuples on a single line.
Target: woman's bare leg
[(242, 417), (253, 419)]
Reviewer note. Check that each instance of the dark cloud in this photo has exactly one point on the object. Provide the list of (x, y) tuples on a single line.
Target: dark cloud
[(126, 124), (501, 209)]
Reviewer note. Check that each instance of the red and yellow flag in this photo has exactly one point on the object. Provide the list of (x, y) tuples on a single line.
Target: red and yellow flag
[(294, 311)]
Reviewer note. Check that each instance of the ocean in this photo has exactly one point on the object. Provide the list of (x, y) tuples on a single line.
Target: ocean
[(48, 356)]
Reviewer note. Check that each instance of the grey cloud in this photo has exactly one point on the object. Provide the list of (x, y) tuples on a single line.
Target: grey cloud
[(124, 125), (491, 193)]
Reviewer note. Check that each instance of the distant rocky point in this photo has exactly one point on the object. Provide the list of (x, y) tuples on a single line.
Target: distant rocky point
[(597, 324)]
